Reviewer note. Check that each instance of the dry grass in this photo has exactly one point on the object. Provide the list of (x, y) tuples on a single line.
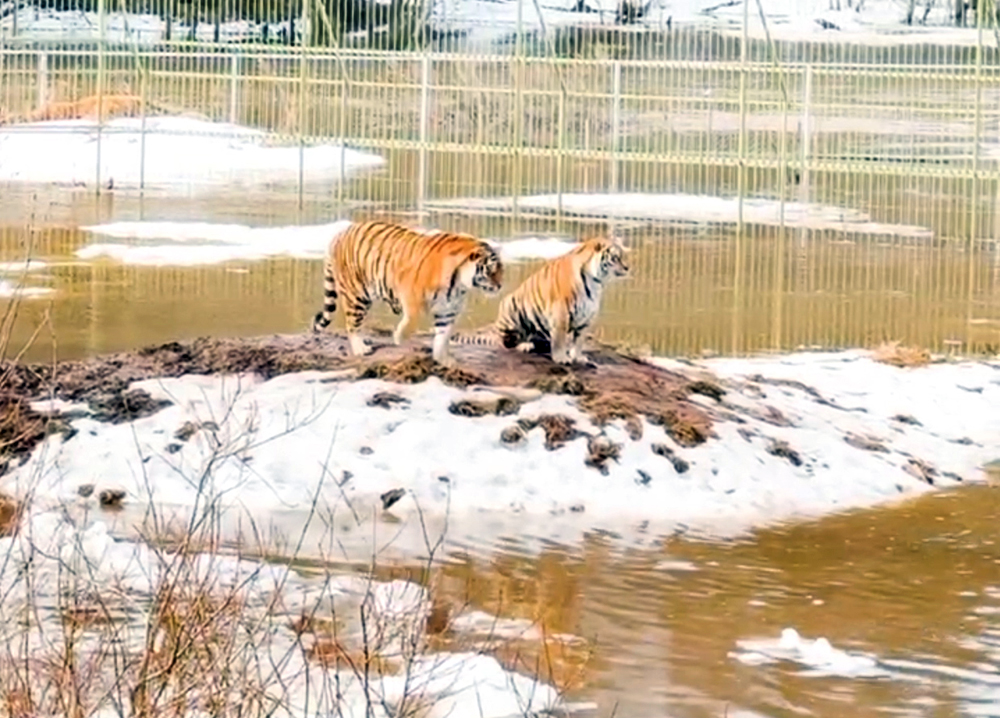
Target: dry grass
[(895, 354)]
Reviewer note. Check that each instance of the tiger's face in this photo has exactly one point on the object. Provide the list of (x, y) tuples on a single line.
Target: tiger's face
[(613, 262), (488, 272)]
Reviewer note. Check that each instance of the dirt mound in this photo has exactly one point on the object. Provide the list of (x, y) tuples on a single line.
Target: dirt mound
[(612, 387)]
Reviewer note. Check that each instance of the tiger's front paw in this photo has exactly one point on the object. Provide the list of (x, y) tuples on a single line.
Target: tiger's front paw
[(525, 347), (359, 347)]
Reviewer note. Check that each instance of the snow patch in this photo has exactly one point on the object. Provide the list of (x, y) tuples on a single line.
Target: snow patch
[(693, 208), (199, 243), (171, 153), (9, 290), (818, 656)]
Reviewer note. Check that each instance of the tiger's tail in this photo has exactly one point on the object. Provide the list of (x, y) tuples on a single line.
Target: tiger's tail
[(487, 337), (322, 319)]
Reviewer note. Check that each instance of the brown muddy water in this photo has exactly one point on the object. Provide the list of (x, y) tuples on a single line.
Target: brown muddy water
[(918, 582), (692, 290)]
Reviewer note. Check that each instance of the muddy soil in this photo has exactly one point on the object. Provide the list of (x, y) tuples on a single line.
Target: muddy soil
[(612, 386)]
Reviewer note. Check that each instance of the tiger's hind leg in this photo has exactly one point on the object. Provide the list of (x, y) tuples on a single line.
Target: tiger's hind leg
[(355, 310), (322, 319), (410, 310), (444, 323)]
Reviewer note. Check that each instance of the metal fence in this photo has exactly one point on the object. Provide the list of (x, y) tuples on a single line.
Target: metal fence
[(776, 152)]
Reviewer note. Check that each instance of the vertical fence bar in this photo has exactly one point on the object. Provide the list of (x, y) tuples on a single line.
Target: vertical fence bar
[(101, 31), (234, 86), (425, 84), (616, 109), (560, 157), (43, 79), (303, 90), (144, 95), (518, 113), (806, 139), (974, 198), (741, 181)]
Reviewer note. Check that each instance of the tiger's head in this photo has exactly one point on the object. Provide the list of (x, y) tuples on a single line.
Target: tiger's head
[(609, 260), (484, 270)]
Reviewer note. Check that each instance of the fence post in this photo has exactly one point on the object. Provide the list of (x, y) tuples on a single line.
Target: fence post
[(806, 139), (741, 181), (616, 108), (425, 83), (101, 28), (303, 89), (234, 85), (560, 149), (518, 112), (43, 79)]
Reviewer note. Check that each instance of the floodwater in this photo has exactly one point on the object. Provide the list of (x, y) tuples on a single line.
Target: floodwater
[(918, 583), (692, 290), (916, 586)]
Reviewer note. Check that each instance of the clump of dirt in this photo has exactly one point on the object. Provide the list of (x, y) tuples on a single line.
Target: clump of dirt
[(681, 428), (558, 383), (190, 428), (558, 429), (633, 426), (111, 499), (21, 427), (680, 465), (11, 511), (387, 399), (920, 469), (120, 406), (706, 388), (391, 497), (782, 450), (499, 406), (866, 443), (514, 434), (415, 368), (600, 450)]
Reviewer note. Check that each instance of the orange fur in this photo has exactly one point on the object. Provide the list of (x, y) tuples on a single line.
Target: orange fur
[(558, 302), (409, 269), (87, 107)]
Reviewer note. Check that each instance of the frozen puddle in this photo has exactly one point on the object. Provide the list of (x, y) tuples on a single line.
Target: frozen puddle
[(202, 243), (169, 153)]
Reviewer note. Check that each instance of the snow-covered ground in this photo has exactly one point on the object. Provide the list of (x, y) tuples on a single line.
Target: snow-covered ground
[(817, 433), (171, 154), (196, 243), (486, 22), (693, 208), (69, 565)]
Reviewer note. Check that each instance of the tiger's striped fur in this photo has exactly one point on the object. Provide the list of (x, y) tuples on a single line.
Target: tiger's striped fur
[(556, 304), (410, 270)]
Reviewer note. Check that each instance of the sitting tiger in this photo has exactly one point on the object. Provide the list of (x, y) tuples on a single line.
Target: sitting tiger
[(554, 306), (412, 271)]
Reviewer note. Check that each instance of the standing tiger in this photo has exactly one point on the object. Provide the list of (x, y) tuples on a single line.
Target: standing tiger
[(558, 302), (412, 271)]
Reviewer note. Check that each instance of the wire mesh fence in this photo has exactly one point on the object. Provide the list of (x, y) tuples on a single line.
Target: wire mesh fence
[(783, 191)]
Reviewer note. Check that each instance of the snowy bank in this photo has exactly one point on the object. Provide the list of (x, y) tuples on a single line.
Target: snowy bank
[(690, 208), (170, 153), (123, 603), (196, 243), (714, 447)]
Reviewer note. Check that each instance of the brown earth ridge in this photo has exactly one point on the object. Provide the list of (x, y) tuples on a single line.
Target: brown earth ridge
[(613, 386)]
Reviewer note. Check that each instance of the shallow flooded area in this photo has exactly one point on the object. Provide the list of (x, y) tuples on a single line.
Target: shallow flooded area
[(693, 289), (916, 588)]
